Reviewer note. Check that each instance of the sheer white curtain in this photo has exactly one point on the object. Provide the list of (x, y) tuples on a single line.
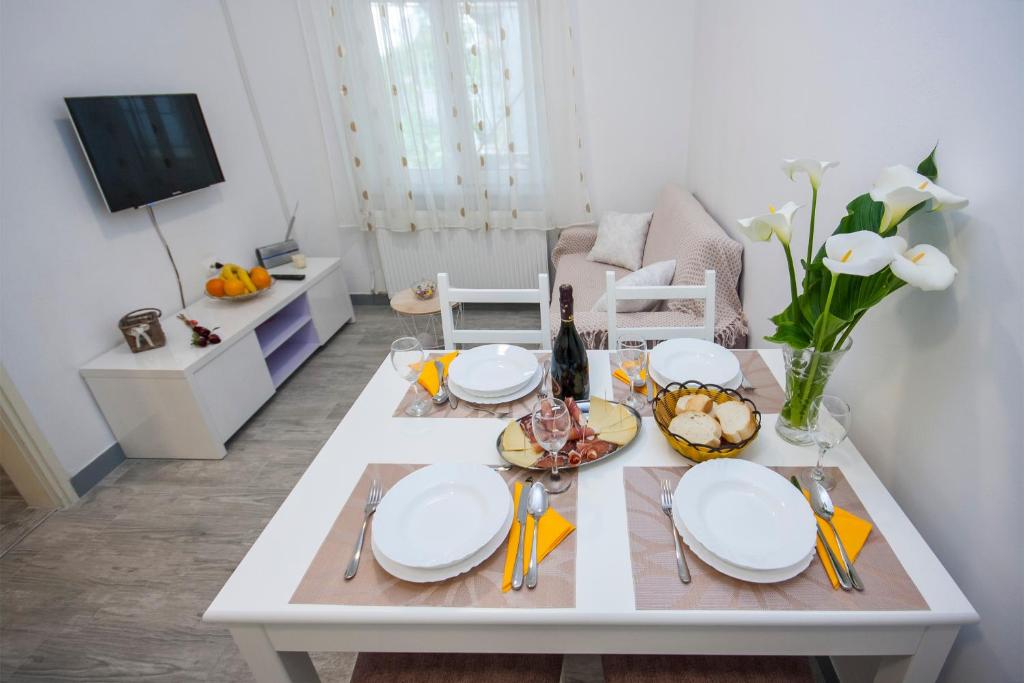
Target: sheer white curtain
[(457, 114)]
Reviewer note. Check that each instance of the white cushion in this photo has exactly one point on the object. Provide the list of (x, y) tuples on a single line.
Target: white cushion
[(655, 275), (620, 239)]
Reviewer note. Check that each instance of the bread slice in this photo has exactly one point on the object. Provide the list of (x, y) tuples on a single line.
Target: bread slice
[(701, 403), (513, 438), (697, 428), (736, 419)]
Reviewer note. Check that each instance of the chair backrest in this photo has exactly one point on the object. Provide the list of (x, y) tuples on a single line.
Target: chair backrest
[(451, 295), (705, 291)]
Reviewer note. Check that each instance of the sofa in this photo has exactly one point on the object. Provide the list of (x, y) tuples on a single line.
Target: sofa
[(680, 229)]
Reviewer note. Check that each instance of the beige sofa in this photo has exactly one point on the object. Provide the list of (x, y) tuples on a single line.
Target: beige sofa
[(680, 229)]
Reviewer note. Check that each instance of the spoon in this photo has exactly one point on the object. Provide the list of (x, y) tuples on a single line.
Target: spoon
[(536, 505), (442, 391), (823, 507)]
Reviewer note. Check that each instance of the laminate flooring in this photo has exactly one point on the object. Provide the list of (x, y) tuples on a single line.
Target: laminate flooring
[(17, 518)]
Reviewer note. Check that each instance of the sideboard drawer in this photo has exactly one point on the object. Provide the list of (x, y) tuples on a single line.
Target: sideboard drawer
[(233, 386)]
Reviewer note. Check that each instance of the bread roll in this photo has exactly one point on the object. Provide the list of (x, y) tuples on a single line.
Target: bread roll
[(736, 419), (698, 402), (697, 428)]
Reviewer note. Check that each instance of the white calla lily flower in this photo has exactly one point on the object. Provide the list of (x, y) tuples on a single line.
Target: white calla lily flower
[(924, 267), (777, 221), (812, 167), (861, 253), (900, 189)]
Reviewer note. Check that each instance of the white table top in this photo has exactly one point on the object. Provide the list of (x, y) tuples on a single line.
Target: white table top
[(261, 587), (233, 319)]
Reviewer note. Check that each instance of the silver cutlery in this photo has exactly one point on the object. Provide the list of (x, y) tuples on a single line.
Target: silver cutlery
[(823, 507), (536, 506), (453, 400), (841, 574), (524, 497), (499, 411), (372, 500), (744, 382), (666, 507), (652, 391), (542, 392), (500, 468), (441, 397)]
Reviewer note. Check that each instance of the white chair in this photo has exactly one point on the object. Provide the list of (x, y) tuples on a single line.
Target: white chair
[(451, 295), (705, 291)]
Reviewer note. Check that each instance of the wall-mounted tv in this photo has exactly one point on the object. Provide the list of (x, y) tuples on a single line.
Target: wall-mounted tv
[(145, 148)]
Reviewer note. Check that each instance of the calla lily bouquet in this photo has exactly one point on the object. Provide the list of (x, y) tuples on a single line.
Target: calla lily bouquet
[(863, 262)]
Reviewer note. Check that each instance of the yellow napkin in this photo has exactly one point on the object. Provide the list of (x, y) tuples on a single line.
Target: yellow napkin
[(623, 377), (428, 375), (554, 528), (852, 529)]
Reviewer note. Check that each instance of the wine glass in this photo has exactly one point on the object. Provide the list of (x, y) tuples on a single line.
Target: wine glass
[(407, 357), (551, 426), (632, 354), (828, 421)]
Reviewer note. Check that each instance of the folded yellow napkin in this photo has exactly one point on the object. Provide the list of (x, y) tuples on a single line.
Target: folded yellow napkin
[(428, 375), (554, 528), (624, 378), (852, 529)]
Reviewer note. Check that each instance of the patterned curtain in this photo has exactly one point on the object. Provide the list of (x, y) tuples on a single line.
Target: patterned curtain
[(458, 114)]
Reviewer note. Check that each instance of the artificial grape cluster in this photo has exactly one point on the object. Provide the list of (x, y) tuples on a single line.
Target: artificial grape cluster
[(201, 336)]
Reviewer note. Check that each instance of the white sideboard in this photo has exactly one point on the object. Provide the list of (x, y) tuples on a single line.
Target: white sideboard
[(182, 401)]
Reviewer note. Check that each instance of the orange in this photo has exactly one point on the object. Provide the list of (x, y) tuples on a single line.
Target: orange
[(215, 287), (260, 277), (233, 287)]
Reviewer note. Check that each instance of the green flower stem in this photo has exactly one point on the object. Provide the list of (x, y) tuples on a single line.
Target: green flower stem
[(821, 338), (792, 276), (814, 210), (849, 329)]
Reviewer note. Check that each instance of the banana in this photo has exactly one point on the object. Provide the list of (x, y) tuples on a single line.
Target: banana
[(227, 272), (242, 275)]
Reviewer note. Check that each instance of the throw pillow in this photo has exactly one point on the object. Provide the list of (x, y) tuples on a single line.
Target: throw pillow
[(620, 239), (655, 275)]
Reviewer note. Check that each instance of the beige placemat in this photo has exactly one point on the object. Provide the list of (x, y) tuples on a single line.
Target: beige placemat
[(325, 584), (656, 584), (766, 393), (514, 409)]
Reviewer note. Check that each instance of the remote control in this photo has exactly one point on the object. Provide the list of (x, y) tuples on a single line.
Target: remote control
[(288, 276)]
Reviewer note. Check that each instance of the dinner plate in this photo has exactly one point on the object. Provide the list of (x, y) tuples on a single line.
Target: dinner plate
[(681, 360), (441, 514), (493, 400), (661, 381), (420, 575), (746, 514), (493, 369), (729, 569)]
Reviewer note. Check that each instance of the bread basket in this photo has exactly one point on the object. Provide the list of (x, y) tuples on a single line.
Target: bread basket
[(665, 409)]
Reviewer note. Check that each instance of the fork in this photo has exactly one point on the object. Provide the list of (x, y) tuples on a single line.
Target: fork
[(666, 507), (500, 411), (372, 500)]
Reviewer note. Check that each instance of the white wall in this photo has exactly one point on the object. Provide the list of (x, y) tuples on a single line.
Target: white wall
[(935, 379), (635, 61), (69, 268)]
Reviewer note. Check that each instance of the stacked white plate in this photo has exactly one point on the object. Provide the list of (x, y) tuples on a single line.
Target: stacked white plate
[(683, 360), (745, 520), (441, 521), (495, 373)]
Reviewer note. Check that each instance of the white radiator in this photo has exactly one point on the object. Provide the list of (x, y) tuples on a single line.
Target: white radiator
[(472, 258)]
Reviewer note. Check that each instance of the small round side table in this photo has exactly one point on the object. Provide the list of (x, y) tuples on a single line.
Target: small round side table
[(421, 318)]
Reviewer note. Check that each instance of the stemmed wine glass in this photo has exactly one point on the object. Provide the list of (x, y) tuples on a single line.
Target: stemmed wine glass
[(407, 357), (632, 353), (828, 421), (551, 426)]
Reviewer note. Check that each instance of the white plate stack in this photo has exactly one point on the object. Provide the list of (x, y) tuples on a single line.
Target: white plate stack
[(745, 520), (683, 360), (495, 373), (441, 521)]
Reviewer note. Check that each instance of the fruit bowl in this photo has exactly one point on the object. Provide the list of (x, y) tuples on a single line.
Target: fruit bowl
[(242, 297), (237, 284), (665, 409)]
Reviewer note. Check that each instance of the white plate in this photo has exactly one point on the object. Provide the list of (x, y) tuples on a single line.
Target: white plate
[(493, 370), (746, 514), (729, 569), (734, 383), (681, 360), (417, 575), (441, 514), (461, 393)]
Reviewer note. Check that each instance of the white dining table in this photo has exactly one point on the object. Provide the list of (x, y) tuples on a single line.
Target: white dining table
[(275, 636)]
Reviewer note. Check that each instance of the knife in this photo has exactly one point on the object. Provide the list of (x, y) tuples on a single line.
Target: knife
[(517, 571), (844, 577), (650, 381)]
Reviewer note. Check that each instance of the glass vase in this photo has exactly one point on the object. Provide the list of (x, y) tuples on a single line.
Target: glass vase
[(807, 373)]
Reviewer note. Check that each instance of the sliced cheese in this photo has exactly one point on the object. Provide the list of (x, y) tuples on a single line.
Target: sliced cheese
[(619, 437), (520, 458), (606, 416), (514, 438)]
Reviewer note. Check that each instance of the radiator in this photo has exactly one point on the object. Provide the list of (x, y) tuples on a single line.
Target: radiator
[(472, 258)]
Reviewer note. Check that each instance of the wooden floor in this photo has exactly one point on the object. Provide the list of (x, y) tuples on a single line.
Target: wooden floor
[(17, 518)]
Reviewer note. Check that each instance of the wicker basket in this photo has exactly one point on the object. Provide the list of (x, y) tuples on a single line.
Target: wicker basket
[(665, 409), (141, 329)]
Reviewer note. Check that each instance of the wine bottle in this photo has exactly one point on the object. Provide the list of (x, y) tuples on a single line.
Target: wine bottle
[(570, 371)]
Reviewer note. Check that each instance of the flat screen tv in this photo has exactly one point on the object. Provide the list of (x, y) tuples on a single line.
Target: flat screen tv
[(145, 148)]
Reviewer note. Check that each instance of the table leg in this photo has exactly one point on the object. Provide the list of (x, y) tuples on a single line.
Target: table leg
[(924, 665), (267, 664)]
